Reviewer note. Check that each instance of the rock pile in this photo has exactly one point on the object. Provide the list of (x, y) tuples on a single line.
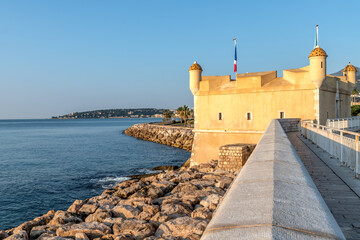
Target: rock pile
[(172, 205), (179, 137)]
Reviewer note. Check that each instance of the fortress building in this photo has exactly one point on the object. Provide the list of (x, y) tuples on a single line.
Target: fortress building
[(239, 110)]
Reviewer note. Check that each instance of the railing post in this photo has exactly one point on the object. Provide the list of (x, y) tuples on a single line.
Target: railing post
[(341, 147), (357, 156)]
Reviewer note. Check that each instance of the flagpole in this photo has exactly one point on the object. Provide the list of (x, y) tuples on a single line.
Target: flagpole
[(317, 35), (235, 59)]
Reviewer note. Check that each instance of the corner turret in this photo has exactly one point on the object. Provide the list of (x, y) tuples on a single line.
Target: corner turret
[(195, 77), (317, 59), (350, 73)]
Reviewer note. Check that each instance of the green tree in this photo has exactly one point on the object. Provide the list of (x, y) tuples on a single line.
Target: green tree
[(167, 115), (355, 110), (354, 93), (179, 112), (191, 116), (186, 113)]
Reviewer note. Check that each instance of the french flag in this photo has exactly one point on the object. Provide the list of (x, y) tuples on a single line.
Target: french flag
[(235, 60)]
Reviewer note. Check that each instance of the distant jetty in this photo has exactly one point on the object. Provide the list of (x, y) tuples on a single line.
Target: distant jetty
[(179, 137), (115, 113)]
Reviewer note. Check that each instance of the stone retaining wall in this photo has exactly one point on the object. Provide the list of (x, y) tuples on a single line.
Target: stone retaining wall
[(290, 124), (180, 137), (233, 156)]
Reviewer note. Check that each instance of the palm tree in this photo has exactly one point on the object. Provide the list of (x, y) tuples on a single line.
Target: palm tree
[(191, 116), (186, 113), (167, 115), (179, 112), (354, 94)]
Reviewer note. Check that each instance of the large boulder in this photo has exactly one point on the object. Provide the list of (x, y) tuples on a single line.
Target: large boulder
[(37, 231), (19, 235), (62, 217), (125, 211), (98, 216), (87, 209), (202, 212), (27, 226), (224, 182), (149, 191), (148, 211), (51, 237), (138, 228), (111, 221), (81, 236), (159, 218), (75, 207), (174, 210), (92, 230), (182, 227), (128, 191), (3, 234), (184, 187), (124, 237), (211, 201), (165, 186)]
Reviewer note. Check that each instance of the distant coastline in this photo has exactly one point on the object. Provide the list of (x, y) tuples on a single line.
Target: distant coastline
[(115, 113)]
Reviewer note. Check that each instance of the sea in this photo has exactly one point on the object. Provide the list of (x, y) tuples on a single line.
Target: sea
[(47, 164)]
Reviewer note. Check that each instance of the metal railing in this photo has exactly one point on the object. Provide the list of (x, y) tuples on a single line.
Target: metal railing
[(341, 144), (343, 123)]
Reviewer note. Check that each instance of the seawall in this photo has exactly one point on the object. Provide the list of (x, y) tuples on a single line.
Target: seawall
[(273, 197), (176, 204), (180, 137)]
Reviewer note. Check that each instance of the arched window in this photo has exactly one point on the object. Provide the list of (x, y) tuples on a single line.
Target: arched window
[(220, 116), (321, 64)]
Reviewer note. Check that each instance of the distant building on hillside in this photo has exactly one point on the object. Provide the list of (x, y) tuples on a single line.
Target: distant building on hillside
[(239, 110)]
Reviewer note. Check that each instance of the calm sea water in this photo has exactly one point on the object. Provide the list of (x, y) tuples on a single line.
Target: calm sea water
[(47, 164)]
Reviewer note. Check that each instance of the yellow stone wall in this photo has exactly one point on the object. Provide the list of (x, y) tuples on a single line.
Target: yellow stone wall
[(305, 93), (211, 133)]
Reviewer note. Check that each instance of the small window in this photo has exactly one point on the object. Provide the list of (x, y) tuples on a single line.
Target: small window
[(282, 114), (220, 116), (321, 64), (248, 116)]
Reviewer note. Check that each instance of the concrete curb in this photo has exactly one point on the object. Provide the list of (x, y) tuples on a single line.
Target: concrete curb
[(273, 197)]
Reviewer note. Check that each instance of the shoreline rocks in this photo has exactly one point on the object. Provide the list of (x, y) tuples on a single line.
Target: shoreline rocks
[(179, 137), (177, 204)]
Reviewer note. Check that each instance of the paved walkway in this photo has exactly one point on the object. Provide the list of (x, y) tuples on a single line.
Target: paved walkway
[(336, 184)]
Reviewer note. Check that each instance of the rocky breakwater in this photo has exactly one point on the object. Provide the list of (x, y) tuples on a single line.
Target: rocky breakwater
[(180, 137), (172, 205)]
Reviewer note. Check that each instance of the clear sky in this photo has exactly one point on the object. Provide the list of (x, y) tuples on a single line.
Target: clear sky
[(57, 57)]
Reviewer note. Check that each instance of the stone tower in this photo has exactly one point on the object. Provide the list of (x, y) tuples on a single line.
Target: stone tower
[(350, 74), (195, 77), (317, 59)]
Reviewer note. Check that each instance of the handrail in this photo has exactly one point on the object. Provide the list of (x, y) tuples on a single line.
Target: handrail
[(341, 123), (328, 128), (342, 144)]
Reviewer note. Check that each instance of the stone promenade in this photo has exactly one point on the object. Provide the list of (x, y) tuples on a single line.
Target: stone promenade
[(336, 184)]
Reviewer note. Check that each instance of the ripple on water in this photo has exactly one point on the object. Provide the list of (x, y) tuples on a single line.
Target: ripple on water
[(47, 164)]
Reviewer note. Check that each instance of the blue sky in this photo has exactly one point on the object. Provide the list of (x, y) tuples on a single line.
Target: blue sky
[(57, 57)]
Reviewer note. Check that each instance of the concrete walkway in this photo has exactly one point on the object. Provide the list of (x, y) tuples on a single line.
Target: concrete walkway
[(336, 184)]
